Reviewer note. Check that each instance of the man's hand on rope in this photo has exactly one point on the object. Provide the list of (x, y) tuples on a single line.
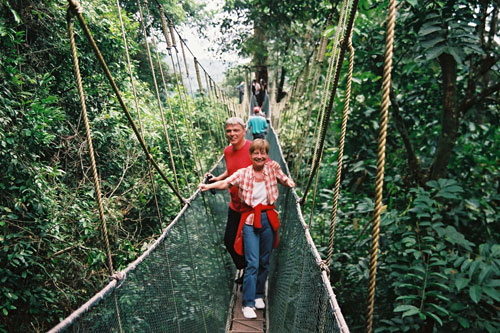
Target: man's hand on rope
[(209, 178)]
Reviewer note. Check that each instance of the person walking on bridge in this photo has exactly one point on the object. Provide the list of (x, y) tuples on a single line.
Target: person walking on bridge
[(259, 223), (258, 124), (237, 156)]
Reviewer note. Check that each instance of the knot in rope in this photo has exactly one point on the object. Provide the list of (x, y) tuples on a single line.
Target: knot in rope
[(117, 276), (323, 265), (74, 6)]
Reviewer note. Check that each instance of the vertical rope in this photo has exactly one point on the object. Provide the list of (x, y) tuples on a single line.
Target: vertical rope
[(74, 6), (105, 68), (345, 116), (129, 66), (198, 77), (324, 126), (165, 29), (300, 140), (384, 109), (332, 62), (166, 34), (157, 91), (194, 149), (203, 96)]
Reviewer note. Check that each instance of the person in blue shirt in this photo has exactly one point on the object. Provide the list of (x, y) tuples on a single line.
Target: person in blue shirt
[(258, 124)]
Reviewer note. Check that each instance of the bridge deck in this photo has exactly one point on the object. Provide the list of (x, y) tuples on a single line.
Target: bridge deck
[(242, 325)]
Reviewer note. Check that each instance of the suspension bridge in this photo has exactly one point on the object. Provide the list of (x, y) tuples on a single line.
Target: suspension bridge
[(184, 281)]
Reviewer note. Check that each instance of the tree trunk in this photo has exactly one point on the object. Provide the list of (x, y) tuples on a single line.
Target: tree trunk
[(260, 53), (449, 119), (280, 93)]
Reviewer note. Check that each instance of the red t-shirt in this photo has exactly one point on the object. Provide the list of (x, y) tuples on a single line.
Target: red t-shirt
[(236, 160)]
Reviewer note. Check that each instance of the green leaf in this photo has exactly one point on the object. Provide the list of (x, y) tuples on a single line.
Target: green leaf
[(427, 44), (435, 317), (410, 312), (463, 322), (475, 293), (492, 292), (461, 283), (439, 308), (457, 54), (473, 267), (484, 273), (493, 283), (407, 297), (428, 29), (404, 307)]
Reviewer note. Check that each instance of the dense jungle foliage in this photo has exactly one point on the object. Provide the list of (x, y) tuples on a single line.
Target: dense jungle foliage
[(439, 257), (52, 253), (439, 260)]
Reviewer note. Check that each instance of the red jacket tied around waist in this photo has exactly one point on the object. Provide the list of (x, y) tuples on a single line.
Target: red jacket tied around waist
[(272, 216)]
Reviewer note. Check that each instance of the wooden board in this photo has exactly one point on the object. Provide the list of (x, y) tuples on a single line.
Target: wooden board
[(242, 325)]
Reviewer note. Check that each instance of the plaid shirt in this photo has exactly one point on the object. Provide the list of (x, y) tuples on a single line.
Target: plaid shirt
[(244, 179)]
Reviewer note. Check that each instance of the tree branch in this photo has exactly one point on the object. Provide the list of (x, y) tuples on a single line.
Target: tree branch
[(449, 119), (413, 162)]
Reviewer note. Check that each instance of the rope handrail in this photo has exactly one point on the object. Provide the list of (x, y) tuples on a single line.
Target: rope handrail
[(76, 9)]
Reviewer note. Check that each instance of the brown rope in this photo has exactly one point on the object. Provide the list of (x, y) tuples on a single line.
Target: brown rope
[(75, 8), (345, 116), (157, 92), (384, 109), (134, 91), (166, 34), (332, 64), (324, 126), (122, 103), (179, 91)]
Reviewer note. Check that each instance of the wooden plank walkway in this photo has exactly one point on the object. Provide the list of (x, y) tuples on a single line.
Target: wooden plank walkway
[(242, 325)]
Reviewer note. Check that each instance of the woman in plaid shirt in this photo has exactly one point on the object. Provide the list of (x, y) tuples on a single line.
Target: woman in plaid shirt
[(258, 190)]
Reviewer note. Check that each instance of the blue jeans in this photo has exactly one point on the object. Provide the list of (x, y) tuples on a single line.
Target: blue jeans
[(258, 244)]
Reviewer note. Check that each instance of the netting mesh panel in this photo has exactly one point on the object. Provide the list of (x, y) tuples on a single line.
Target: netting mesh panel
[(298, 300), (183, 285)]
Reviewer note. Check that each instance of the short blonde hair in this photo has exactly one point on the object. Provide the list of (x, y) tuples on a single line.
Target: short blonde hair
[(235, 121), (259, 144)]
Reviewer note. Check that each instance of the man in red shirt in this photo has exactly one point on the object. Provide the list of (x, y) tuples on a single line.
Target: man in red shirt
[(237, 156)]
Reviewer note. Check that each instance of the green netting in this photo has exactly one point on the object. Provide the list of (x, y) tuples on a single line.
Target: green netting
[(298, 297), (183, 283)]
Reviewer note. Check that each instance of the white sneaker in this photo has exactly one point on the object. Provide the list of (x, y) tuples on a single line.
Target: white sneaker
[(259, 304), (248, 312)]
